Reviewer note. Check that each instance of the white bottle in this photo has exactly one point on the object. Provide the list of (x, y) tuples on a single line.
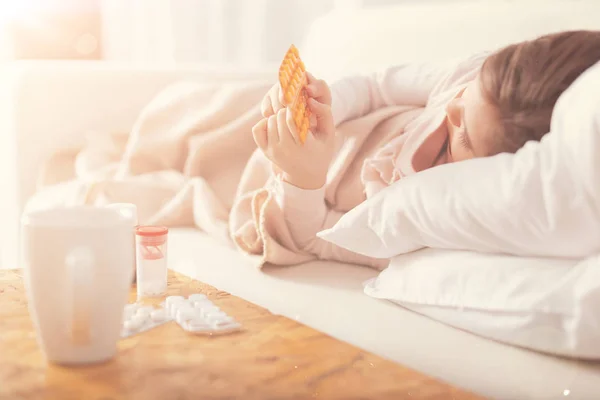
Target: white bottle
[(151, 254)]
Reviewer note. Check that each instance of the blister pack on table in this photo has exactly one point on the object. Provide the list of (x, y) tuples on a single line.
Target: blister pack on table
[(195, 314)]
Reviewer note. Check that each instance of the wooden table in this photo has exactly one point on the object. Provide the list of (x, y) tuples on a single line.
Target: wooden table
[(273, 358)]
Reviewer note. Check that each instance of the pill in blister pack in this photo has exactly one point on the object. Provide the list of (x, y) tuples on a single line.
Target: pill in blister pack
[(197, 314), (138, 319)]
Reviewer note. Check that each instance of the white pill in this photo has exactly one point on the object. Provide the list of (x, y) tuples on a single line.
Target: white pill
[(132, 325), (139, 318), (131, 308), (223, 325), (216, 315), (127, 315), (219, 320), (159, 315), (196, 326), (182, 306), (205, 312), (173, 299), (172, 310), (197, 297), (203, 303), (144, 311), (185, 315), (208, 306)]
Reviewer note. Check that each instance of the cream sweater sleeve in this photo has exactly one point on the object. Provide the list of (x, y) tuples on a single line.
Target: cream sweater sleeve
[(407, 84), (306, 213)]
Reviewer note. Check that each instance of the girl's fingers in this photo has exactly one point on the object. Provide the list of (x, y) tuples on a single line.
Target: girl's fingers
[(266, 108), (259, 132), (276, 98), (285, 135), (289, 119), (280, 96), (323, 116), (312, 121), (310, 78), (318, 89), (272, 133)]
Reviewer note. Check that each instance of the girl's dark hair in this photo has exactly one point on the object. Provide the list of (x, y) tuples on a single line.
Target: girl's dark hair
[(523, 82)]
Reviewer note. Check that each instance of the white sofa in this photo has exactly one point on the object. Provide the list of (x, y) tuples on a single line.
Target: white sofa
[(48, 106)]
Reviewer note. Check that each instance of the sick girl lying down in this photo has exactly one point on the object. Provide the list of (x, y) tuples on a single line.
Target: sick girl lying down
[(478, 107)]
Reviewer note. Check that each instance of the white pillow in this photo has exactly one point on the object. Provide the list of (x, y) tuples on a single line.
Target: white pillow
[(542, 201), (547, 305)]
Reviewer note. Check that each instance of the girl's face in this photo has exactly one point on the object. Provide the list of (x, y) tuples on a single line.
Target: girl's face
[(468, 120)]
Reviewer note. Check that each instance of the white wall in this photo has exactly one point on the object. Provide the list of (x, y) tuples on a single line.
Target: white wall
[(248, 32), (240, 32)]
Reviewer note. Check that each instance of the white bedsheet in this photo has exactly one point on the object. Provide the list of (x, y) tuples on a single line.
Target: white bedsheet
[(329, 297)]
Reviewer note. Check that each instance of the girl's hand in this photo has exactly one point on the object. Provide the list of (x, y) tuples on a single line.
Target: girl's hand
[(315, 88), (303, 165), (272, 102), (318, 89)]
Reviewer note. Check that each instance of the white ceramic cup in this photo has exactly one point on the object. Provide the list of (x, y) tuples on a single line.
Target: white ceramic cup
[(129, 211), (77, 263)]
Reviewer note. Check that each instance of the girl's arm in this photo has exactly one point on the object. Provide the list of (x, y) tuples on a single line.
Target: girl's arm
[(306, 214), (408, 84)]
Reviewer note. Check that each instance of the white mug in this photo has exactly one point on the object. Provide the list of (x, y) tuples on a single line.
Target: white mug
[(77, 266)]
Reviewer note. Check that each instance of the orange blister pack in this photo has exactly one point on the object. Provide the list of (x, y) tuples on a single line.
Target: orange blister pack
[(292, 79)]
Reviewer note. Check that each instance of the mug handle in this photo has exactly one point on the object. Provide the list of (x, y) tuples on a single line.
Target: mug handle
[(80, 266)]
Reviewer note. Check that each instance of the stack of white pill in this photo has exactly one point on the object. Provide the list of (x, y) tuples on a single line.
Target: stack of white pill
[(138, 318), (198, 314)]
